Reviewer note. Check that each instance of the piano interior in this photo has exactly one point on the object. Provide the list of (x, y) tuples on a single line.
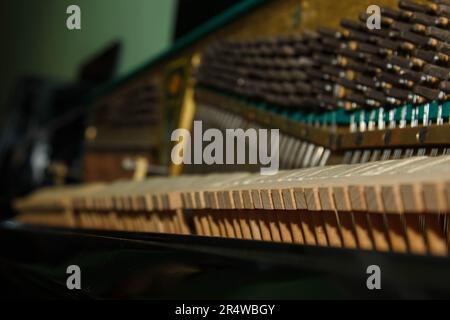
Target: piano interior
[(350, 100)]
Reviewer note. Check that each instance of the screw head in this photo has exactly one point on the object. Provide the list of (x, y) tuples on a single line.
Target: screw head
[(421, 135), (387, 137)]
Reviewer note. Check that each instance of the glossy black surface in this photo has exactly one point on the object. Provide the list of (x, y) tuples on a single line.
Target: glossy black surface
[(33, 263)]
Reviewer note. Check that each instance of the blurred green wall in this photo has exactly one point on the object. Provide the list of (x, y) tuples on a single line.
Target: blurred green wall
[(36, 40)]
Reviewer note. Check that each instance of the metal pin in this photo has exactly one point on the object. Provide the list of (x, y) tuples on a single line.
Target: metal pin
[(397, 154), (334, 122), (403, 117), (421, 151), (316, 156), (375, 155), (392, 123), (417, 116), (325, 157), (362, 122), (355, 157), (353, 126), (409, 153), (439, 120), (371, 126), (413, 118), (381, 119), (365, 156), (308, 155), (347, 157), (300, 156), (293, 154), (288, 151), (386, 154), (426, 114), (434, 152), (282, 142), (284, 150)]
